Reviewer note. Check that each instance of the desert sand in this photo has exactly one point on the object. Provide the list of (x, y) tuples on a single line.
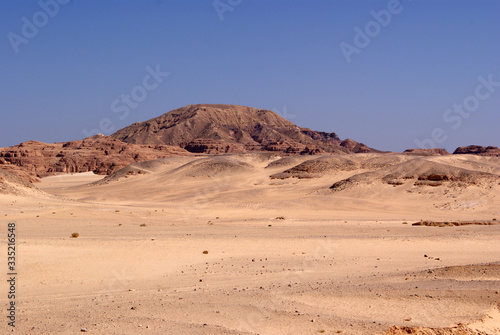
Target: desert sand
[(261, 244)]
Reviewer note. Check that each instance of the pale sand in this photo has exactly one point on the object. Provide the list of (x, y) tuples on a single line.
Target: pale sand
[(338, 263)]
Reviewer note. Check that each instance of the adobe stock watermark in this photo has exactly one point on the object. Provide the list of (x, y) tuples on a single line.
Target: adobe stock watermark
[(30, 28), (222, 6), (126, 102), (363, 37), (459, 112)]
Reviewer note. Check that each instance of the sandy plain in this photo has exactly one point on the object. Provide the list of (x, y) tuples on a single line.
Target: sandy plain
[(214, 245)]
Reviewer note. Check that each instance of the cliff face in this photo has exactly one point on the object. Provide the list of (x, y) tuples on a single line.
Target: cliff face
[(230, 128), (99, 154)]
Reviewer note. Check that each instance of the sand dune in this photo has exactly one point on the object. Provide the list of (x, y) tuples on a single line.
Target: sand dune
[(318, 167), (217, 245), (214, 166), (368, 186), (12, 183), (422, 172)]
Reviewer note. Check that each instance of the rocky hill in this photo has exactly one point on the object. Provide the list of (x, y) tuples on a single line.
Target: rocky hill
[(478, 150), (99, 154), (229, 128), (422, 171)]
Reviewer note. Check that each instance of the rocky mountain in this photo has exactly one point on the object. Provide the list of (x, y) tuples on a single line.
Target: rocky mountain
[(209, 128), (205, 128), (99, 154), (478, 150)]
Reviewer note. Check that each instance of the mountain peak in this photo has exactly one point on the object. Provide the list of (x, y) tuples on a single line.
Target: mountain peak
[(218, 128)]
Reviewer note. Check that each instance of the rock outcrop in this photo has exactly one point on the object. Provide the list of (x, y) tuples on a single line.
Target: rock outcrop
[(99, 154), (427, 152), (478, 150), (355, 147), (420, 172), (213, 147)]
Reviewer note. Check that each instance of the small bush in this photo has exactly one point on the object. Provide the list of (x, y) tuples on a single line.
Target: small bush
[(75, 235)]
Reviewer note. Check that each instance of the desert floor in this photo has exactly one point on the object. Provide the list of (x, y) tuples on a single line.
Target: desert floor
[(177, 249)]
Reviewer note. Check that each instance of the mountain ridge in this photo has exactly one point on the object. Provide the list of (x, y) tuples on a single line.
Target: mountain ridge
[(200, 129)]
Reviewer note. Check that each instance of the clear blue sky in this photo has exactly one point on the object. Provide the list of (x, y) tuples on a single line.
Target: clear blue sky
[(284, 55)]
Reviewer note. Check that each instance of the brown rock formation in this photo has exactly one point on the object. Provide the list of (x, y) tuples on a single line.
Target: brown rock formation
[(427, 152), (355, 147), (213, 147), (460, 329), (478, 150), (100, 154), (234, 128), (421, 172)]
